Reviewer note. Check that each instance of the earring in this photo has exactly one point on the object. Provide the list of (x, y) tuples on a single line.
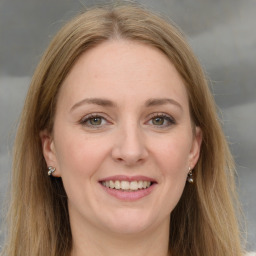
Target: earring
[(51, 170), (190, 176)]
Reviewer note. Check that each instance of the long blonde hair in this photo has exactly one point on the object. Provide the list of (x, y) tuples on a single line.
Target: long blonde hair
[(204, 221)]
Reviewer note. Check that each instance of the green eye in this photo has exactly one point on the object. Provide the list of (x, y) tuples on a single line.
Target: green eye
[(158, 120), (161, 120), (95, 121)]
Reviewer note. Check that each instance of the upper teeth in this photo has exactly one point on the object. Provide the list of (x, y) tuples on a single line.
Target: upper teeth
[(126, 185)]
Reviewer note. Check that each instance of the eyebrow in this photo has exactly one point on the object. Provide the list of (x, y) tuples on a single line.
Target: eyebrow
[(162, 101), (94, 101), (109, 103)]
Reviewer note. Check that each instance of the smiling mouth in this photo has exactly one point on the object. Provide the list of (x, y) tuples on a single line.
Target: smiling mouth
[(127, 185)]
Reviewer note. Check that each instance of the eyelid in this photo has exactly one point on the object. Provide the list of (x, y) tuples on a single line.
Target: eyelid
[(87, 117), (167, 117)]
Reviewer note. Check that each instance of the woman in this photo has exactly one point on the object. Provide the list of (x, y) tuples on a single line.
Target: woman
[(120, 117)]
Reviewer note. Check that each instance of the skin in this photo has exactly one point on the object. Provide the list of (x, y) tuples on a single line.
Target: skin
[(126, 138)]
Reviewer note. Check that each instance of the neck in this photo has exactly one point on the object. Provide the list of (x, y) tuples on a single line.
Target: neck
[(91, 241)]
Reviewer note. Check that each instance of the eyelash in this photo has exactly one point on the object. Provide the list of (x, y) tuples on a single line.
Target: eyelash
[(170, 120), (84, 121)]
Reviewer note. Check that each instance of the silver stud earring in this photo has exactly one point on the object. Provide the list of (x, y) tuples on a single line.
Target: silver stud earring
[(190, 176), (51, 170)]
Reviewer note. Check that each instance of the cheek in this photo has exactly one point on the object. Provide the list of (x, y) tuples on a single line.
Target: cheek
[(173, 162), (77, 155), (173, 155), (78, 161)]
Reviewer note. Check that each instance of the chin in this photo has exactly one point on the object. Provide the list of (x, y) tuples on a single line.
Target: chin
[(128, 222)]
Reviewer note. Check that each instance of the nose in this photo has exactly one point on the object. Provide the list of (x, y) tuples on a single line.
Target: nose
[(129, 146)]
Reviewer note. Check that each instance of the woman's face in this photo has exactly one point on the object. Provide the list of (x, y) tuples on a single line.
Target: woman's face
[(122, 140)]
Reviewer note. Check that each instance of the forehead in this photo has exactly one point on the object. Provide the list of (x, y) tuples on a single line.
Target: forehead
[(121, 70)]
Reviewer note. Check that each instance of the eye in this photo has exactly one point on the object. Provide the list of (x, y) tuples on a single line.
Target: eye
[(93, 121), (161, 120), (158, 120)]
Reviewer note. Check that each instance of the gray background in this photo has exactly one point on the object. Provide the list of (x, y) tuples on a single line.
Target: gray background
[(222, 34)]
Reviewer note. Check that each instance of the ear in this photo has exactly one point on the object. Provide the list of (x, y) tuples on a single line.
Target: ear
[(195, 148), (49, 151)]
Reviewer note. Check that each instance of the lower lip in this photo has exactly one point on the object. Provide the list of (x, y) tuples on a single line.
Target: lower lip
[(129, 195)]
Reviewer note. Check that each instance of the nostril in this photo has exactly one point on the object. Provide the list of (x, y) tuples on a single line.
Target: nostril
[(129, 154)]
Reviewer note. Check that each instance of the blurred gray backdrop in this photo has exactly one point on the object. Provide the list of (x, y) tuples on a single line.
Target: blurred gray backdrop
[(222, 34)]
